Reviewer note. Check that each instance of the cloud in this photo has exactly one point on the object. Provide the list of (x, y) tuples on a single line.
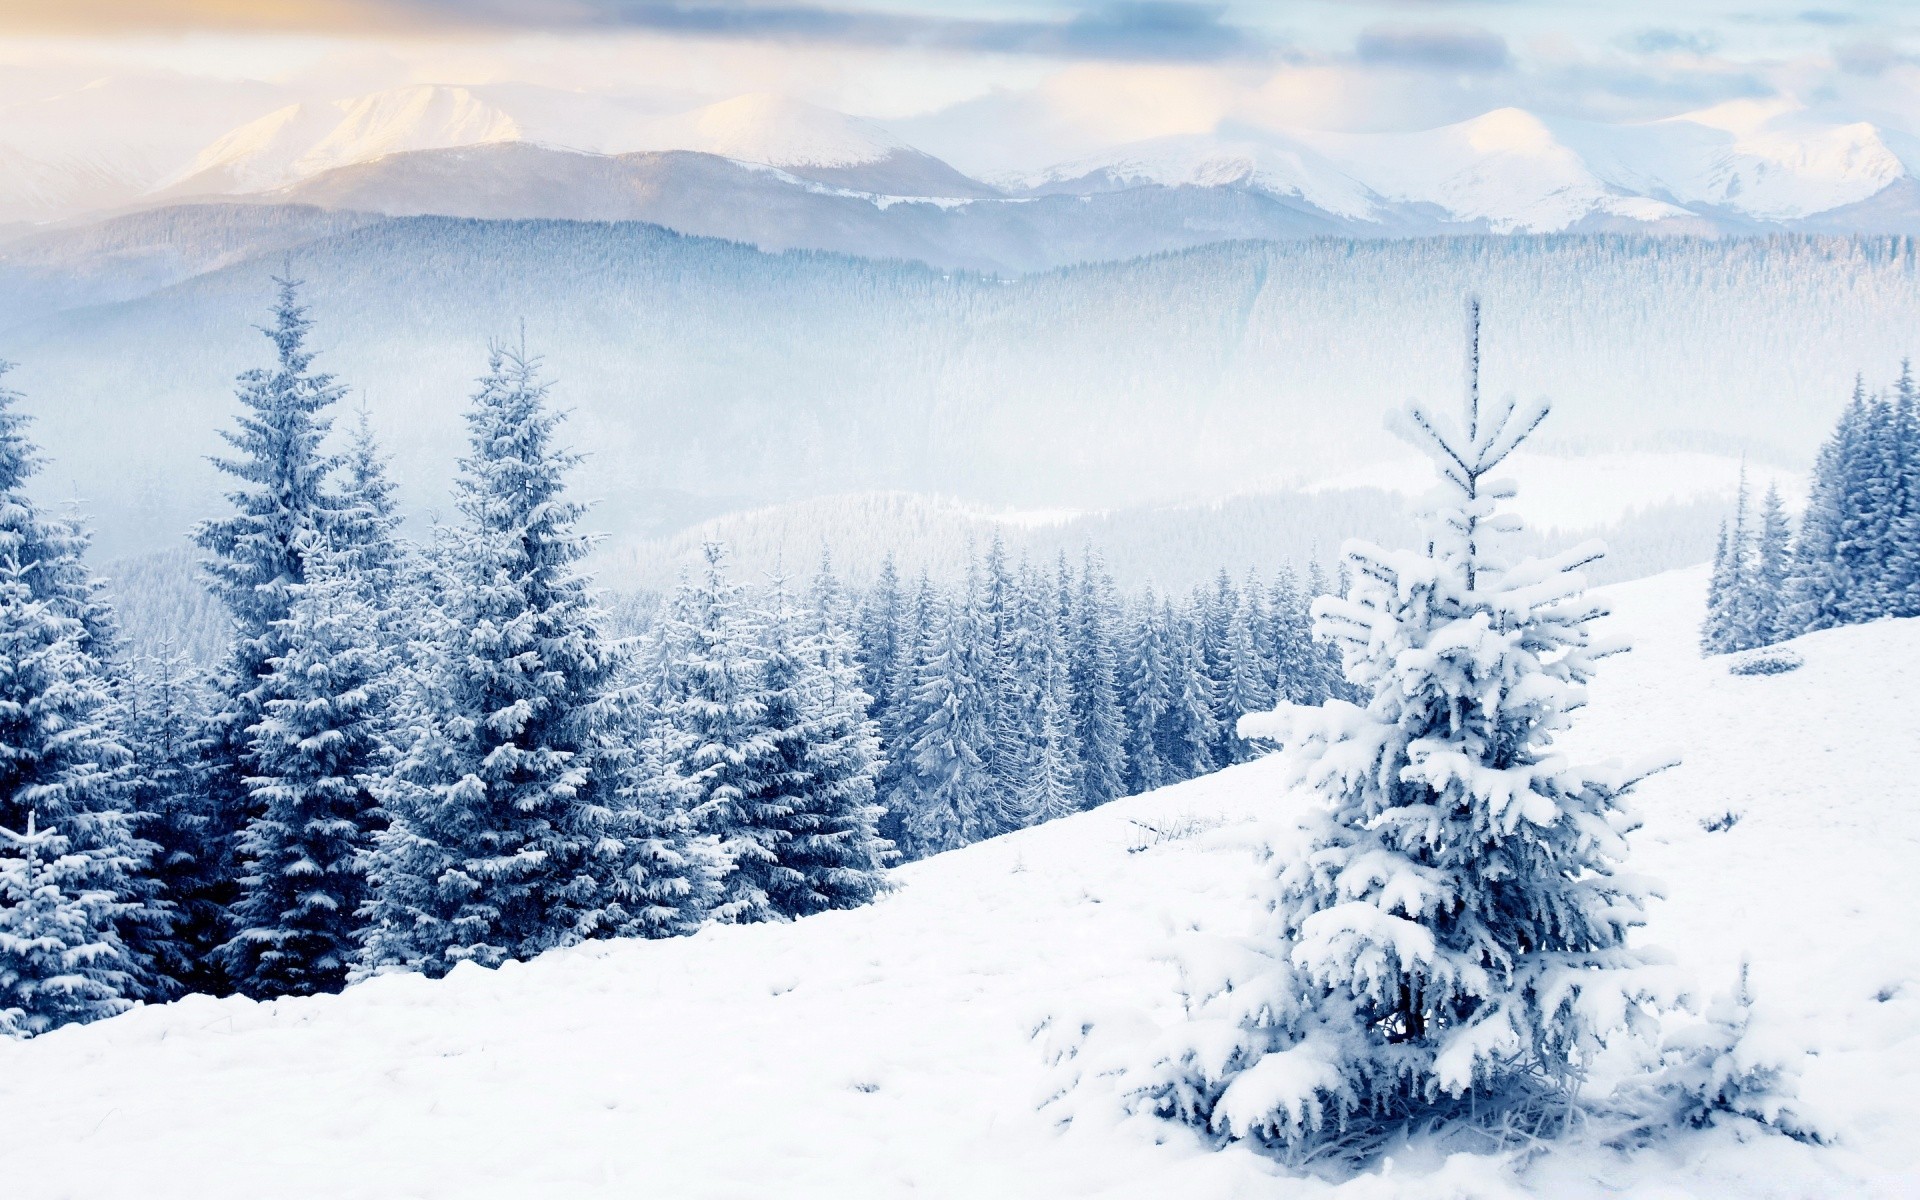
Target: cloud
[(1443, 47), (1827, 16), (1133, 30), (1669, 41)]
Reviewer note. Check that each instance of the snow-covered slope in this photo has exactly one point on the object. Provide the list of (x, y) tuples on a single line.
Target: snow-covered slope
[(893, 1051)]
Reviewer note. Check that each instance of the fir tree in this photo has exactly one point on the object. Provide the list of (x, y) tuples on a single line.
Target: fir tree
[(321, 741), (1454, 941), (60, 960), (1770, 578), (1828, 555), (950, 795), (1716, 627), (1294, 675), (719, 708), (258, 555), (166, 705), (1150, 693), (814, 791), (507, 811), (65, 764), (1093, 672), (1190, 730), (1247, 690)]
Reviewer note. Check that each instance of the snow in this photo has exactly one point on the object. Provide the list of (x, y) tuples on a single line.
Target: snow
[(892, 1050), (1522, 173)]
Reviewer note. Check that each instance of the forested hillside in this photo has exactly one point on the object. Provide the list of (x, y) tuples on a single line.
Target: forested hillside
[(1223, 370)]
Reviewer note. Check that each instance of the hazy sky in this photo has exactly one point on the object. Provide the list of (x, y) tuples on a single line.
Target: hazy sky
[(1023, 78)]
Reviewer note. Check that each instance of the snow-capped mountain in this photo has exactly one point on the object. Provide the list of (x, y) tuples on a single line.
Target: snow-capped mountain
[(302, 140), (1511, 171)]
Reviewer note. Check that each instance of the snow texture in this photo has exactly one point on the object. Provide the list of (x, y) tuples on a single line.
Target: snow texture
[(892, 1050)]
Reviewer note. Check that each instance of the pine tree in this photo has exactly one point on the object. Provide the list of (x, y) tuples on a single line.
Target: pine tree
[(507, 811), (813, 792), (1294, 675), (1772, 568), (166, 704), (258, 555), (1830, 556), (1051, 785), (65, 766), (898, 720), (1247, 690), (1716, 627), (1454, 941), (1093, 672), (951, 795), (60, 960), (1212, 610), (1902, 588), (719, 707), (1190, 730), (1150, 693), (321, 742)]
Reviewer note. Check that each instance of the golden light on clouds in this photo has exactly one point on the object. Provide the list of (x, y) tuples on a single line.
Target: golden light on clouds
[(110, 17)]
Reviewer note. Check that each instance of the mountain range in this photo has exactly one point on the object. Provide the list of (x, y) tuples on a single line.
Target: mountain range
[(783, 174)]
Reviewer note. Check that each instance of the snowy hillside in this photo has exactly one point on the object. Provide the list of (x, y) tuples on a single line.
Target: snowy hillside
[(892, 1051)]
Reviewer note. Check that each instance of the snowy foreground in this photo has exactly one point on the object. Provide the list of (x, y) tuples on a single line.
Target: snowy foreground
[(904, 1049)]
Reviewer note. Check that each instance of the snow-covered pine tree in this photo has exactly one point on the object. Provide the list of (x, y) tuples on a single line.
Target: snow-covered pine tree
[(1190, 730), (60, 959), (810, 798), (506, 810), (1453, 944), (950, 795), (65, 763), (1211, 621), (1716, 627), (719, 709), (69, 892), (897, 728), (1051, 785), (165, 703), (1770, 575), (1295, 659), (1093, 672), (1247, 689), (322, 741), (1828, 562), (258, 555), (1150, 692), (1901, 589), (880, 628)]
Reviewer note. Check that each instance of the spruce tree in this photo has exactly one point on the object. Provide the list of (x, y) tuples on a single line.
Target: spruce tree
[(1454, 941), (1150, 693), (1093, 672), (60, 959), (1294, 672), (1829, 563), (809, 800), (1716, 627), (166, 701), (282, 509), (65, 768), (951, 797), (1190, 730), (508, 819), (1770, 577), (1247, 690), (322, 741), (720, 711)]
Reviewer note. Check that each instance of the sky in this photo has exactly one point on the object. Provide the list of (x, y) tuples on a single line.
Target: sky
[(974, 80)]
